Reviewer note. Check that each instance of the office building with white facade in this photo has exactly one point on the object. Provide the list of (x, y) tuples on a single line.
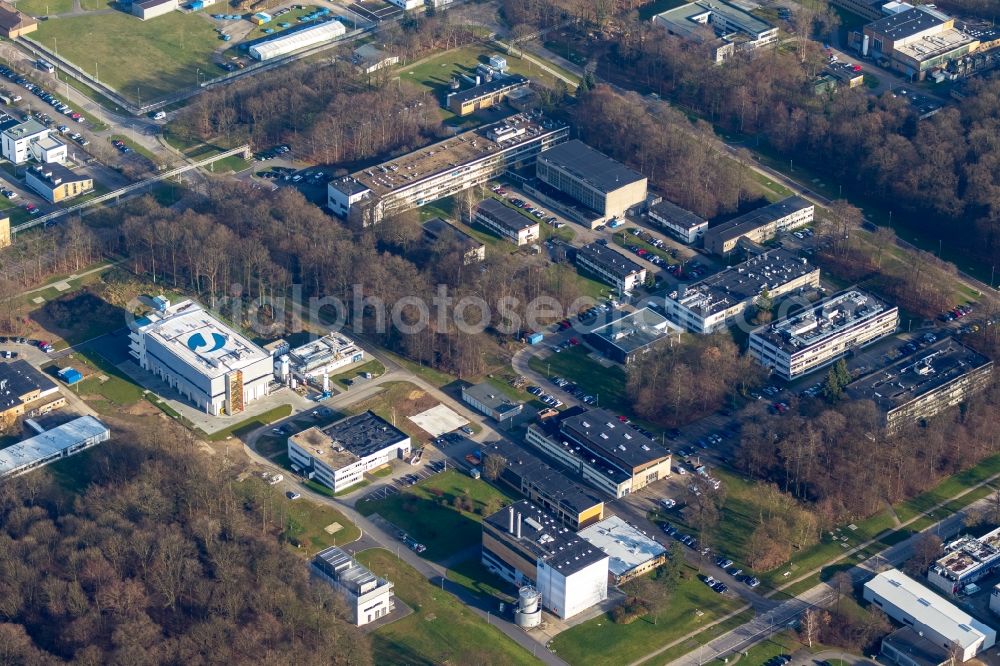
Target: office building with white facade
[(760, 225), (339, 455), (935, 618), (369, 597), (506, 222), (30, 139), (525, 545), (733, 28), (488, 400), (324, 356), (203, 359), (968, 560), (681, 223), (823, 333), (603, 185), (611, 267), (445, 168), (721, 300), (51, 445)]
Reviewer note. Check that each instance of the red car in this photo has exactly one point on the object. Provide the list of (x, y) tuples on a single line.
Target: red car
[(573, 342)]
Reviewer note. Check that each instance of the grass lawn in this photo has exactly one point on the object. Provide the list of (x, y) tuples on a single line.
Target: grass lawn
[(142, 60), (307, 523), (591, 285), (427, 512), (116, 391), (382, 472), (606, 384), (601, 641), (45, 7), (472, 575), (441, 629), (252, 423), (435, 73), (345, 378), (432, 376), (396, 402)]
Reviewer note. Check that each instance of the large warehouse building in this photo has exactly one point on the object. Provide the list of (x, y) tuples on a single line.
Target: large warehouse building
[(206, 361), (915, 41), (296, 40), (443, 169), (908, 602), (719, 300), (605, 186), (822, 334), (525, 545), (919, 387)]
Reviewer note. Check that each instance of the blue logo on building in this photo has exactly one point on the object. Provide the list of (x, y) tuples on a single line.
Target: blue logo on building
[(197, 341)]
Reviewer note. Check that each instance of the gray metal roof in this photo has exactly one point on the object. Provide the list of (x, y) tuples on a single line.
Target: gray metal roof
[(591, 166), (49, 443)]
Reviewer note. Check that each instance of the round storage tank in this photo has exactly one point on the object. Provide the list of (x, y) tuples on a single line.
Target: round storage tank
[(527, 620), (528, 599)]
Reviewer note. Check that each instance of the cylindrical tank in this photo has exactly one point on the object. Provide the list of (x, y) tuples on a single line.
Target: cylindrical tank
[(527, 620), (284, 367), (326, 383), (528, 599)]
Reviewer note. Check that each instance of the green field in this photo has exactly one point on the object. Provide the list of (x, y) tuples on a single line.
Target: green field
[(252, 423), (45, 7), (373, 366), (606, 384), (428, 513), (307, 523), (143, 60), (441, 629), (602, 641), (435, 73)]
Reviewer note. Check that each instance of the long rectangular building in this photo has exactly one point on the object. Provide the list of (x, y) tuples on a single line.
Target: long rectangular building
[(631, 551), (52, 445), (719, 300), (611, 266), (443, 169), (919, 387), (25, 391), (590, 177), (506, 222), (339, 455), (605, 451), (823, 333), (680, 222), (760, 225), (526, 545), (547, 484), (733, 28), (324, 356), (485, 95), (627, 338), (206, 361), (908, 602)]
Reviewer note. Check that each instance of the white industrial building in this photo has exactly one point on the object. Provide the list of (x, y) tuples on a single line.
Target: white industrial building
[(206, 361), (51, 445), (968, 560), (19, 139), (339, 455), (296, 40), (935, 618), (323, 356), (525, 545), (368, 596), (823, 333), (407, 4), (631, 551)]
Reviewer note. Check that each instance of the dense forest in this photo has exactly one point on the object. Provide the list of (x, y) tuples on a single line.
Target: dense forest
[(163, 559)]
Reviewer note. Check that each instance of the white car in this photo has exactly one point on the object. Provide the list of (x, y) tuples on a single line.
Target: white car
[(668, 503), (276, 479), (159, 115)]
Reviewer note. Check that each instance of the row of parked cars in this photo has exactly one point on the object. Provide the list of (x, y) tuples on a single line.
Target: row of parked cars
[(549, 400), (41, 344), (956, 312), (42, 94)]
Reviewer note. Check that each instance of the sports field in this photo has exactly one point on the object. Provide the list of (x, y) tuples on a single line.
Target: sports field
[(143, 60)]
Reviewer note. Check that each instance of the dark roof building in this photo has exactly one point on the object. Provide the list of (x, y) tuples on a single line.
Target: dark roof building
[(548, 484), (680, 222), (506, 222), (436, 229), (611, 266), (488, 400), (630, 336), (922, 385), (484, 95), (906, 647), (14, 23), (604, 435), (20, 384), (600, 183), (364, 434), (910, 23), (760, 225)]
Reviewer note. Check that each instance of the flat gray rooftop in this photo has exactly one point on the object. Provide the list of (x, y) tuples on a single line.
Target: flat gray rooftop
[(822, 320), (590, 166), (918, 374)]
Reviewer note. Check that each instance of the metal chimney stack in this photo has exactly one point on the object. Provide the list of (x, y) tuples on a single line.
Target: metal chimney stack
[(510, 519), (518, 524)]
